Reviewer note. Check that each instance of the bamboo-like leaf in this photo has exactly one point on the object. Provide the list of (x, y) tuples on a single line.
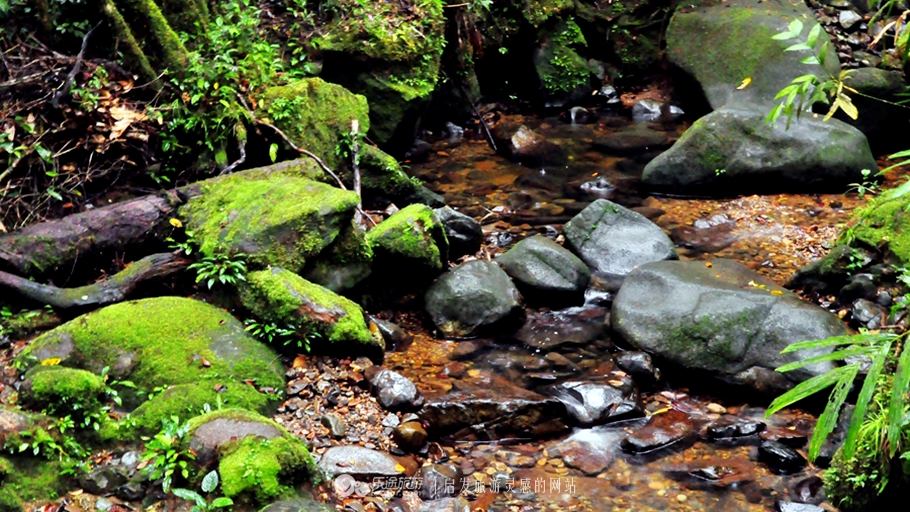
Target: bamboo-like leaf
[(798, 47), (902, 190), (783, 36), (865, 396), (846, 104), (847, 339), (774, 115), (901, 380), (803, 78), (813, 35), (811, 59), (833, 356), (828, 419), (808, 388), (900, 154), (795, 27), (823, 52)]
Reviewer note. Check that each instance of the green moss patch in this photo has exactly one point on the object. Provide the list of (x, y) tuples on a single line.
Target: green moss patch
[(315, 114), (412, 235), (65, 388), (344, 264), (30, 479), (382, 175), (281, 220), (884, 224), (159, 342), (264, 469), (285, 298)]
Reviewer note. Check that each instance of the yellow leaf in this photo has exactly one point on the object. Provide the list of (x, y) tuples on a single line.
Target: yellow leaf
[(709, 264), (473, 373), (400, 468), (176, 223), (745, 83), (51, 361), (846, 104), (776, 292)]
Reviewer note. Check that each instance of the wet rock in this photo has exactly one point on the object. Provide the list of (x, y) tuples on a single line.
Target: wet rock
[(721, 318), (464, 233), (859, 286), (578, 115), (716, 156), (828, 274), (867, 313), (596, 403), (810, 490), (631, 141), (789, 506), (335, 425), (394, 391), (423, 195), (298, 505), (780, 457), (468, 350), (519, 143), (103, 504), (638, 364), (597, 189), (730, 426), (411, 238), (836, 439), (13, 421), (545, 272), (362, 463), (791, 438), (614, 240), (608, 95), (548, 329), (207, 437), (410, 435), (645, 111), (104, 479), (591, 450), (439, 481), (445, 505), (602, 289), (395, 337), (880, 84), (492, 408), (848, 19), (661, 430), (133, 490), (471, 296)]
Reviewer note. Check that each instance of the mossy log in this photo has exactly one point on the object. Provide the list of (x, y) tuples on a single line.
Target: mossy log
[(108, 291)]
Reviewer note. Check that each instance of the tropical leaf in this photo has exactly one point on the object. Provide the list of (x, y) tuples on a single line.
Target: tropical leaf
[(828, 419), (809, 387), (833, 356), (895, 412), (847, 339), (865, 396)]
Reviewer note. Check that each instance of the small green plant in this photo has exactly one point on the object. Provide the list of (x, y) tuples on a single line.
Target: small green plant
[(286, 334), (719, 172), (220, 268), (165, 454), (209, 484), (867, 186)]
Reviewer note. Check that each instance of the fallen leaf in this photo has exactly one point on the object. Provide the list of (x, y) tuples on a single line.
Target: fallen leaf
[(709, 264), (400, 468), (745, 83), (206, 363), (176, 223), (776, 292), (123, 118), (51, 361)]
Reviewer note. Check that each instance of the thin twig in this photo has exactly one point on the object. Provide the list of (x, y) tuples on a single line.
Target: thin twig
[(65, 89), (241, 146), (355, 155)]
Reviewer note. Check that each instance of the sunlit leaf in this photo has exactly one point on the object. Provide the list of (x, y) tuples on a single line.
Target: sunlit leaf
[(745, 83)]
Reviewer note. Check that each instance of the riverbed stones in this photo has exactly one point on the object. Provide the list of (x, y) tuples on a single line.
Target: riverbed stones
[(727, 427), (639, 365), (547, 329), (360, 462), (393, 390), (13, 421), (631, 142), (614, 240), (592, 403), (661, 430), (545, 272), (732, 150), (722, 318), (591, 450), (439, 481), (471, 296), (780, 456), (410, 435), (463, 233), (412, 237), (298, 505)]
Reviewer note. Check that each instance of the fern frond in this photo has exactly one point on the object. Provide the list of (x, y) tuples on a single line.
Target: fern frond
[(809, 387)]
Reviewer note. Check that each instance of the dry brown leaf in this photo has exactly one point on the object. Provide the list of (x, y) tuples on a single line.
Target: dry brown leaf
[(123, 118)]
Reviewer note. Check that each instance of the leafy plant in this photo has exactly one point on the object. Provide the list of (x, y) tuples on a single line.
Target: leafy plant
[(220, 268), (867, 186), (165, 455), (286, 334), (209, 484)]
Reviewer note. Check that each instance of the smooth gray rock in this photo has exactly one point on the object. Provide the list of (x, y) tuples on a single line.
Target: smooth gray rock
[(209, 436), (464, 233), (473, 295), (614, 240), (546, 272), (596, 403), (394, 391), (732, 150), (722, 318), (358, 462)]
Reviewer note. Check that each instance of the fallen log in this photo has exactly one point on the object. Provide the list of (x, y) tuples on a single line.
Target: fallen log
[(108, 291)]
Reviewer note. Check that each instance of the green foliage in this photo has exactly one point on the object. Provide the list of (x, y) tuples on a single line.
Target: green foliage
[(209, 484), (285, 334), (867, 186), (165, 454), (220, 268)]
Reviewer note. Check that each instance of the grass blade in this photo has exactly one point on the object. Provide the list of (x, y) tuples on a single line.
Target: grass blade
[(833, 356), (828, 420), (865, 396), (896, 411), (809, 387), (847, 339)]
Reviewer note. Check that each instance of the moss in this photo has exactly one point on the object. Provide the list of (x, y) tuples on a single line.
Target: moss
[(261, 470), (173, 54), (539, 11), (188, 400), (382, 175), (159, 342), (281, 220), (315, 114), (31, 479), (413, 233), (10, 501), (133, 49), (28, 321), (884, 223), (285, 298), (345, 263), (66, 388)]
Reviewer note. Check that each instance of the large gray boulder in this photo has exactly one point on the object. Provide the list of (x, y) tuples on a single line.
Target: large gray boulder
[(471, 296), (614, 240), (732, 150), (722, 318), (545, 271)]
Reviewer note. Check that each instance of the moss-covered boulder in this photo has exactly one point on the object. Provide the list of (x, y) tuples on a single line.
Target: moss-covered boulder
[(159, 342), (719, 319), (258, 460), (721, 43), (564, 75), (382, 176), (411, 236), (390, 52), (344, 263), (326, 320), (62, 388), (315, 114), (14, 420), (281, 220), (883, 224), (29, 479)]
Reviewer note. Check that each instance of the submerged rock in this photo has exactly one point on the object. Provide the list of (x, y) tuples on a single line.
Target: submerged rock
[(547, 329), (393, 390), (661, 430), (631, 142), (596, 403), (614, 240), (545, 272), (591, 450), (720, 317), (471, 296)]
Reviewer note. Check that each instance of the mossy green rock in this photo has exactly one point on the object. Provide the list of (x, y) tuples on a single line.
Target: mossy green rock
[(281, 220), (315, 114), (158, 342), (344, 263), (721, 319), (382, 175), (62, 387), (720, 44), (280, 296), (29, 479), (883, 223), (732, 151), (258, 459), (390, 53), (411, 236), (564, 75)]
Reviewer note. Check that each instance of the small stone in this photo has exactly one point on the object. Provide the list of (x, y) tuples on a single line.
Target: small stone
[(780, 457), (335, 425), (103, 504), (716, 408), (681, 498), (440, 481), (410, 436)]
